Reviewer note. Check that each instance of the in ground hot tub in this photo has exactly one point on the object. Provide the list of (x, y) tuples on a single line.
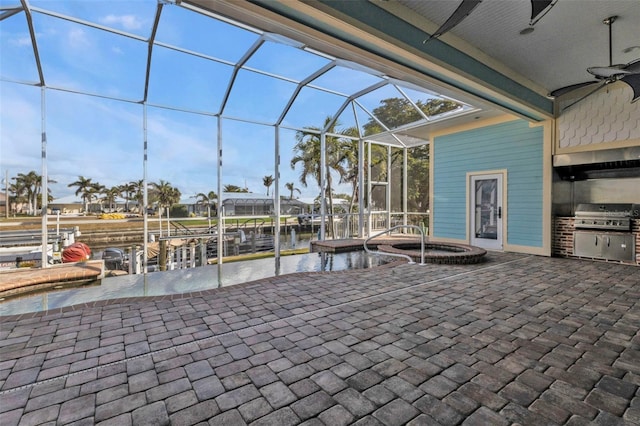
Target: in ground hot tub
[(436, 252)]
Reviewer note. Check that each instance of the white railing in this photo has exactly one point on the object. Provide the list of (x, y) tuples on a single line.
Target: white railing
[(386, 231)]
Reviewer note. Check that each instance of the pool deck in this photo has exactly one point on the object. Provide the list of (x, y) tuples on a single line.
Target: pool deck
[(516, 339)]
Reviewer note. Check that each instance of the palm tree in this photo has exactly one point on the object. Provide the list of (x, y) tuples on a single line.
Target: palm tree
[(352, 171), (94, 192), (17, 190), (84, 188), (28, 188), (27, 185), (20, 191), (138, 193), (110, 196), (207, 200), (127, 190), (267, 181), (234, 188), (291, 187), (308, 154), (166, 196)]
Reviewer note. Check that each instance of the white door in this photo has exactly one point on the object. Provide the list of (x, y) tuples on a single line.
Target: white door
[(486, 211)]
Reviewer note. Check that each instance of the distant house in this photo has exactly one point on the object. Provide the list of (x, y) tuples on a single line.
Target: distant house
[(246, 204), (67, 205), (312, 205), (292, 206)]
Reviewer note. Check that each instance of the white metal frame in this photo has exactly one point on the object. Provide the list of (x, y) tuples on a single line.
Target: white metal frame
[(351, 99)]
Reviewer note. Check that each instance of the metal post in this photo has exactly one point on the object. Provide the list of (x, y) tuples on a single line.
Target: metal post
[(203, 252), (405, 182), (276, 199), (368, 189), (361, 174), (44, 182), (361, 191), (6, 193), (323, 184), (220, 210), (388, 189), (145, 196), (136, 262)]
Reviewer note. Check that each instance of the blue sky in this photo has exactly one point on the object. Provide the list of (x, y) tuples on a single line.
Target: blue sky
[(102, 138)]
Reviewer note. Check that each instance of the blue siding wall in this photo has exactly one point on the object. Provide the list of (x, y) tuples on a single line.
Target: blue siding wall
[(513, 146)]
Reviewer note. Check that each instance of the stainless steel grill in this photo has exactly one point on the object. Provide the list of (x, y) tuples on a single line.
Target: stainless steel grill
[(614, 217), (604, 231)]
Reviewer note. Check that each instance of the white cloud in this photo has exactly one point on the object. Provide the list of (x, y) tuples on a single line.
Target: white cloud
[(77, 38), (128, 22), (21, 41)]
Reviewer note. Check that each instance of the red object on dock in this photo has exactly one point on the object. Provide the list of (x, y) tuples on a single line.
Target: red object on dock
[(76, 252)]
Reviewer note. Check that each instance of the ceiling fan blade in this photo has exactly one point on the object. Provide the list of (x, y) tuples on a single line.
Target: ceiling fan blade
[(608, 72), (600, 86), (561, 91), (633, 67), (464, 9), (633, 80), (538, 7)]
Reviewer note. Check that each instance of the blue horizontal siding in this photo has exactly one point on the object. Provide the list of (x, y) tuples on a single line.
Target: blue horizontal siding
[(513, 146)]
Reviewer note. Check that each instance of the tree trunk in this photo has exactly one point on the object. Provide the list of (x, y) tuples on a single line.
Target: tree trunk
[(168, 223), (354, 194), (331, 231)]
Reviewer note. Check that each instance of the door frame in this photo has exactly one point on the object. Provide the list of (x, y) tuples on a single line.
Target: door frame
[(489, 244)]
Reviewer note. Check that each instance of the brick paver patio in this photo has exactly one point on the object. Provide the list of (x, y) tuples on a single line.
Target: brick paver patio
[(515, 340)]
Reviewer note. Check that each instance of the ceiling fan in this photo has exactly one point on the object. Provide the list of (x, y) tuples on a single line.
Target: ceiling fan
[(628, 73)]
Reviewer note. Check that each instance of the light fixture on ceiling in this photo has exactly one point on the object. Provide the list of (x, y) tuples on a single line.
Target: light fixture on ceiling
[(539, 8), (526, 31)]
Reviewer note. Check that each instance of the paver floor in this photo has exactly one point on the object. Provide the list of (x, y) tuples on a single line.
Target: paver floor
[(515, 340)]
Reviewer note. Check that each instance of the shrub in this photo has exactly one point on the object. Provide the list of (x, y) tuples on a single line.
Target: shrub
[(179, 210)]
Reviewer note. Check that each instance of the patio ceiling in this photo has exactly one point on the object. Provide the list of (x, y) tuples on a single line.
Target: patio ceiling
[(288, 83)]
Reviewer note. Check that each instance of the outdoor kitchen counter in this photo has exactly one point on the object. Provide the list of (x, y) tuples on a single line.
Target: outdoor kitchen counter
[(563, 237)]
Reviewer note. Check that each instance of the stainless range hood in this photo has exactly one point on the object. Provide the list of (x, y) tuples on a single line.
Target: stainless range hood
[(606, 163)]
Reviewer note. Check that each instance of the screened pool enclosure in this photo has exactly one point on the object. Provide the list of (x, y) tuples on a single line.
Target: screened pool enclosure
[(166, 92)]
